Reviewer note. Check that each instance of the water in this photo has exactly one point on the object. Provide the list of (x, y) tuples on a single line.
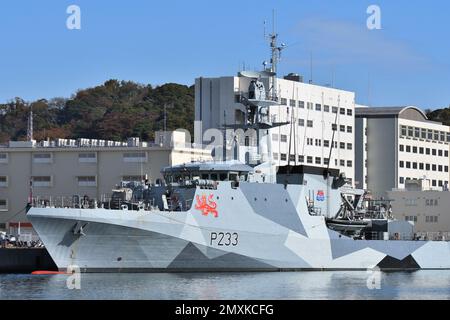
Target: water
[(235, 286)]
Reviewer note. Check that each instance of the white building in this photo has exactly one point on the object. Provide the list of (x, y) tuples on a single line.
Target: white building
[(423, 206), (313, 110), (396, 144), (63, 168)]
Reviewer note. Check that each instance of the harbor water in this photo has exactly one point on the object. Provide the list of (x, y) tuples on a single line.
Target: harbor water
[(340, 285)]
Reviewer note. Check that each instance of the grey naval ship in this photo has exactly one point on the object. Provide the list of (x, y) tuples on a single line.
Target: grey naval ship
[(234, 216)]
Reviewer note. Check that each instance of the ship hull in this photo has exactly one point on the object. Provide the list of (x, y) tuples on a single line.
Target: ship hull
[(159, 243)]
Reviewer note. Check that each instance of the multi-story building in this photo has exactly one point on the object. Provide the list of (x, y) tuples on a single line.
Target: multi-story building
[(397, 144), (319, 119), (426, 208), (61, 170)]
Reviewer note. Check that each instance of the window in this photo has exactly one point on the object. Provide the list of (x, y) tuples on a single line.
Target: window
[(283, 157), (309, 123), (342, 145), (403, 130), (414, 165), (411, 218), (349, 163), (349, 129), (284, 101), (402, 165), (417, 132), (414, 149), (301, 122), (433, 152), (421, 150), (334, 109), (318, 142), (292, 103), (349, 112), (333, 126), (326, 108), (433, 167), (309, 141), (446, 153), (408, 148), (342, 128), (410, 131), (326, 161), (301, 104), (87, 181), (402, 148), (318, 160), (309, 105), (326, 143), (440, 168), (445, 168), (411, 202), (342, 163), (427, 151), (427, 166), (301, 159), (440, 153), (349, 146), (3, 157), (42, 157), (283, 138), (133, 178), (135, 157), (431, 219), (342, 111), (3, 205), (309, 159), (436, 135), (318, 107), (275, 156), (3, 181), (42, 181), (292, 157), (275, 137), (421, 166), (430, 134), (423, 133), (87, 157), (408, 165), (402, 180)]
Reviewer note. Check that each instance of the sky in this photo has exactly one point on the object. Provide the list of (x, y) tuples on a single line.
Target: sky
[(406, 62)]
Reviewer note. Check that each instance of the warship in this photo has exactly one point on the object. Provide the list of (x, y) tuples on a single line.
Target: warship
[(234, 216)]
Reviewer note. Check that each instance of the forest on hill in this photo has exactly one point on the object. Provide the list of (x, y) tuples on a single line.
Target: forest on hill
[(114, 110)]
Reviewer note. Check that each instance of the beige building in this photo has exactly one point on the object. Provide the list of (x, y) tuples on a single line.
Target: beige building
[(65, 168), (428, 209)]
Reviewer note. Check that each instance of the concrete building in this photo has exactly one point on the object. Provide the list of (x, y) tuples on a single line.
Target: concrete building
[(320, 116), (397, 144), (65, 168), (428, 209)]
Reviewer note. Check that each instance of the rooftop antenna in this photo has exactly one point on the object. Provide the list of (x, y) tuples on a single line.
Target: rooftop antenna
[(30, 125)]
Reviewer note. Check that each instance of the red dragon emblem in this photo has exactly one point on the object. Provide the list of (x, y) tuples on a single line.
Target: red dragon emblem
[(206, 206)]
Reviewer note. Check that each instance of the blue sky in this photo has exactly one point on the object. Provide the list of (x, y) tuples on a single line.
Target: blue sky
[(407, 61)]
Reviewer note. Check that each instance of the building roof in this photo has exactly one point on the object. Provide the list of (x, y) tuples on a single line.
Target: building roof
[(387, 112)]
